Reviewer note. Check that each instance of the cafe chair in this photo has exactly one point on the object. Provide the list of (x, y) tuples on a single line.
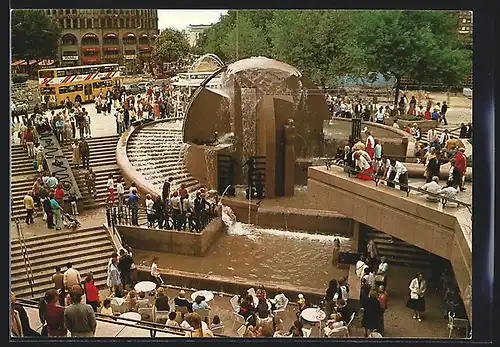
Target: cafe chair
[(306, 332), (457, 323), (241, 330), (282, 310), (147, 313), (252, 292), (118, 309), (218, 330), (234, 303), (349, 324), (237, 318), (160, 315)]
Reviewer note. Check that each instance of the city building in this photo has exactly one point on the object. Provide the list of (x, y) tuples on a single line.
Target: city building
[(465, 26), (193, 32), (120, 36)]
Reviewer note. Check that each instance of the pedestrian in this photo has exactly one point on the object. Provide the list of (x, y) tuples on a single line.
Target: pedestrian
[(29, 205), (461, 164), (111, 189), (159, 208), (150, 210), (442, 116), (87, 121), (416, 302), (90, 182), (75, 153), (372, 313), (59, 194), (79, 318), (56, 211), (133, 201), (84, 153), (47, 208), (397, 173)]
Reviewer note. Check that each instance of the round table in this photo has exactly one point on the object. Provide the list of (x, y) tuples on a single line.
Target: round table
[(129, 315), (209, 296), (145, 286), (314, 315)]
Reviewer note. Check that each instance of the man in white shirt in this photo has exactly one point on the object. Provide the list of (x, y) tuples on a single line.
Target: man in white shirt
[(398, 173), (432, 135), (120, 190), (432, 187), (71, 276), (380, 115), (360, 267), (449, 192)]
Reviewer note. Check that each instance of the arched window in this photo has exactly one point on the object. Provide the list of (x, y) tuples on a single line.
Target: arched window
[(69, 40), (90, 40)]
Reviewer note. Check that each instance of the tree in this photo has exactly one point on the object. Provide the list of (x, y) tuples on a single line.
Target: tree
[(422, 45), (171, 46), (320, 43), (34, 36)]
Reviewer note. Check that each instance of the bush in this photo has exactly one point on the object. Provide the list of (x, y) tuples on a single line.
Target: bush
[(19, 78)]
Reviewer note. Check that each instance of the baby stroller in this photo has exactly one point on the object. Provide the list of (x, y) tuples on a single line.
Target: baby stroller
[(70, 222)]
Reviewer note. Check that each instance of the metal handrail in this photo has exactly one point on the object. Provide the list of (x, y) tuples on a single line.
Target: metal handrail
[(26, 259), (377, 179), (140, 324)]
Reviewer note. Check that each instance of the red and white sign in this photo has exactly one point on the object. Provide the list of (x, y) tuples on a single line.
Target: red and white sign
[(78, 78)]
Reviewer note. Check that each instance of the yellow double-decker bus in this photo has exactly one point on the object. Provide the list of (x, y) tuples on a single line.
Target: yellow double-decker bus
[(78, 83)]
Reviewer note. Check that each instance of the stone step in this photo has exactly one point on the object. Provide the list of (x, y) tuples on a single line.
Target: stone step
[(56, 240), (96, 148), (41, 274), (69, 252)]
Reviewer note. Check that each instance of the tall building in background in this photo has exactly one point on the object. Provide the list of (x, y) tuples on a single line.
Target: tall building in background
[(193, 32), (121, 36)]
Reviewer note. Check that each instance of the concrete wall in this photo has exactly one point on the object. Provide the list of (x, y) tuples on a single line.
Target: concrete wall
[(390, 211), (425, 125), (337, 131), (170, 241), (307, 220), (201, 162)]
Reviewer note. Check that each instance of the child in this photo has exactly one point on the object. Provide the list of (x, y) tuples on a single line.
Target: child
[(302, 304), (131, 301), (171, 322), (143, 302), (106, 307), (216, 323)]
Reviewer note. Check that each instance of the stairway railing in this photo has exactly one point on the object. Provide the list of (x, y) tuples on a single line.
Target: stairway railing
[(24, 250)]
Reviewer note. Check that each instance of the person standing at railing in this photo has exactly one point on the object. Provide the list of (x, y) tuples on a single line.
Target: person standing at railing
[(364, 166), (397, 173), (56, 211), (133, 201), (29, 205)]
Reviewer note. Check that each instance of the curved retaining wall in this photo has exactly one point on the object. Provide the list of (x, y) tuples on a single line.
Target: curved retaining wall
[(129, 173)]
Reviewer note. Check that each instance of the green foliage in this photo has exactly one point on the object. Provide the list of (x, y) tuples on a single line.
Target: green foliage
[(326, 45), (171, 46), (34, 35)]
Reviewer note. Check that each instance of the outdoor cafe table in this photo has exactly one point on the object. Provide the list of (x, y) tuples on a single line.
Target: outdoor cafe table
[(145, 286), (313, 315)]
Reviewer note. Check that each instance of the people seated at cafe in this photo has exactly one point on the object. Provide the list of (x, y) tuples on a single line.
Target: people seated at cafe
[(216, 323), (161, 301), (171, 322), (143, 302), (247, 307), (261, 292), (278, 301), (264, 320), (333, 325), (343, 310), (200, 304), (131, 301), (181, 300), (106, 307), (262, 305)]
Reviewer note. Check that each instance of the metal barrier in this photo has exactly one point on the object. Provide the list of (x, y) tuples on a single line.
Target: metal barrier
[(408, 188)]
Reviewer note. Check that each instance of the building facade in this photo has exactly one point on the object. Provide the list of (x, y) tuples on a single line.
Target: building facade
[(193, 32), (125, 37)]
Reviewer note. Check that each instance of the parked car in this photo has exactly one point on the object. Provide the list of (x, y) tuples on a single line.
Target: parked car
[(132, 89)]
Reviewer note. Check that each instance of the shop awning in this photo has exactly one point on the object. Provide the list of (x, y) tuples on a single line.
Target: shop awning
[(130, 35), (110, 35), (89, 35)]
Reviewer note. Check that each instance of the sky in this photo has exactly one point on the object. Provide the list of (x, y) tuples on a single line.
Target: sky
[(180, 19)]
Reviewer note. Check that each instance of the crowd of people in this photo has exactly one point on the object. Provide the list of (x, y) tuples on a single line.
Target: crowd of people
[(172, 210)]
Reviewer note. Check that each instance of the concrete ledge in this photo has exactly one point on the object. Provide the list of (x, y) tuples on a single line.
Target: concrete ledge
[(433, 229), (172, 241), (288, 218)]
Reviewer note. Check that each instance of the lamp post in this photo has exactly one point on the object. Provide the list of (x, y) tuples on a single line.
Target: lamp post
[(237, 36)]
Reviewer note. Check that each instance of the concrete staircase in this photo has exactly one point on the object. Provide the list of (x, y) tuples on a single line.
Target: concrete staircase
[(103, 162), (22, 178), (397, 251), (156, 152), (88, 250)]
